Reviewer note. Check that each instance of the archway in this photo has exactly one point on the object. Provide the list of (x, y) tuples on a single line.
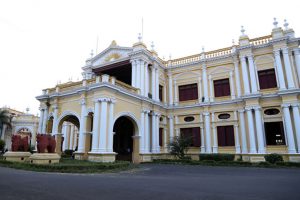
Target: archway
[(124, 143)]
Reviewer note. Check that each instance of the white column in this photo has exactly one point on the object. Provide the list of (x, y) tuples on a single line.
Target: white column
[(64, 132), (146, 79), (177, 132), (199, 90), (138, 75), (289, 128), (147, 133), (252, 74), (142, 132), (232, 88), (243, 131), (41, 119), (71, 137), (110, 138), (95, 139), (165, 93), (142, 66), (215, 137), (211, 88), (245, 76), (259, 130), (103, 125), (153, 147), (133, 73), (165, 140), (279, 70), (153, 83), (237, 78), (82, 127), (175, 93), (157, 84), (288, 68), (171, 127), (251, 131), (157, 133), (55, 122), (205, 84), (237, 139), (207, 132), (202, 148), (296, 116), (45, 120), (297, 62), (170, 89)]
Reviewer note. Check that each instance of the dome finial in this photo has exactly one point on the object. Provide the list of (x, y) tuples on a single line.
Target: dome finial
[(242, 30), (140, 37), (275, 23), (286, 24)]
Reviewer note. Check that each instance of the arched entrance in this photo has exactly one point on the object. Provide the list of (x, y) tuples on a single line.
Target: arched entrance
[(124, 143)]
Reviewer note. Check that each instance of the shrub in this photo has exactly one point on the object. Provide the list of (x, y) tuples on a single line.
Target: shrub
[(179, 146), (216, 157), (2, 145), (273, 158)]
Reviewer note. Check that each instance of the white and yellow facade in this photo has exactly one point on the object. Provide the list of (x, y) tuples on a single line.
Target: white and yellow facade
[(134, 83)]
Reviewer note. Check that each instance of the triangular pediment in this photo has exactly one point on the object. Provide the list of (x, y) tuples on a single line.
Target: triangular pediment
[(110, 54)]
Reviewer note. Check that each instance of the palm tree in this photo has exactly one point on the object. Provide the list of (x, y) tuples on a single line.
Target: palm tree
[(5, 119)]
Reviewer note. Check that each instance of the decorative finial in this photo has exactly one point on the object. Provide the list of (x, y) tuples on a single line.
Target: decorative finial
[(92, 53), (27, 110), (233, 43), (203, 49), (275, 23), (286, 24), (140, 37), (170, 57), (152, 46), (242, 30)]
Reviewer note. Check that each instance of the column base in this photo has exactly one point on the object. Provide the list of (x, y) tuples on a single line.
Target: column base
[(80, 155), (215, 149), (202, 149), (102, 157)]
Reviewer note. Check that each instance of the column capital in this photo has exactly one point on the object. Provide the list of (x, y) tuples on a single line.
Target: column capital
[(146, 111), (105, 99), (296, 51), (170, 117), (250, 56), (295, 104), (248, 108), (231, 73), (209, 77), (276, 52), (204, 66), (206, 113), (285, 105), (156, 114), (256, 108), (82, 102), (243, 58), (285, 50), (41, 108), (55, 107), (236, 125)]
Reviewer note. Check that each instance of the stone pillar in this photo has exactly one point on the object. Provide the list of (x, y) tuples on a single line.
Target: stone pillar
[(175, 93), (232, 88), (245, 76), (153, 83), (253, 75), (297, 62), (211, 84), (288, 128), (45, 120), (138, 75), (165, 141), (296, 116), (288, 68), (142, 75), (82, 127), (202, 147), (243, 131), (153, 147), (199, 90), (171, 127), (237, 77), (103, 125), (236, 135), (165, 93), (157, 84), (215, 136), (147, 132), (142, 132), (64, 133), (157, 133), (170, 88), (133, 73), (252, 142), (279, 70), (41, 119), (55, 120), (96, 120), (259, 130), (205, 84), (71, 137), (110, 137), (207, 132)]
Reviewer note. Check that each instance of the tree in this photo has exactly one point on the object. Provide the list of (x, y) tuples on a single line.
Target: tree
[(5, 119), (179, 146)]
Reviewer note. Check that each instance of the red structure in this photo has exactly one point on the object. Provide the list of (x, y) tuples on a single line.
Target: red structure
[(45, 142), (19, 144)]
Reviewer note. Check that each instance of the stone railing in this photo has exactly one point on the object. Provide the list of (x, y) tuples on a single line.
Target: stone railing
[(260, 40), (126, 86), (218, 53)]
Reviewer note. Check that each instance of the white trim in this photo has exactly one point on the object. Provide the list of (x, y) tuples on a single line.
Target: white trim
[(132, 117)]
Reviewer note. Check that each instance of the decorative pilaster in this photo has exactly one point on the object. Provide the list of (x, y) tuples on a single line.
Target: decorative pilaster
[(175, 93), (165, 144), (55, 120), (211, 93), (153, 147), (279, 70), (170, 87), (202, 147), (147, 132), (297, 61), (236, 135), (133, 73), (253, 76), (243, 131), (215, 137), (288, 128), (171, 127), (138, 75), (82, 128), (103, 124), (288, 68), (237, 77), (41, 120), (153, 83), (142, 132), (205, 84), (157, 131), (96, 121), (142, 66), (45, 120), (157, 84), (259, 130), (110, 136), (252, 142), (199, 90), (296, 116), (245, 76), (207, 132), (232, 88)]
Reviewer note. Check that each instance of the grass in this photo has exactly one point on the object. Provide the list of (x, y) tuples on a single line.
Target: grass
[(229, 163), (71, 166)]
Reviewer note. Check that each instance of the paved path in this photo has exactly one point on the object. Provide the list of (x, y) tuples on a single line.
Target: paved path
[(153, 181)]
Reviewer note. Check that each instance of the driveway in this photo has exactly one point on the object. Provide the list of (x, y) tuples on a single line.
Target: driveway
[(154, 181)]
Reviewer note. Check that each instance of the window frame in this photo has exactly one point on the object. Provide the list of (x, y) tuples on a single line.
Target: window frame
[(188, 92), (222, 87)]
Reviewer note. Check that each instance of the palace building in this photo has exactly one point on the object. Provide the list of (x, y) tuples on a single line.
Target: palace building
[(242, 99)]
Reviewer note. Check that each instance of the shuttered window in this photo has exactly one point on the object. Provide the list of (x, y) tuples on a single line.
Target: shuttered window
[(161, 93), (267, 79), (193, 133), (222, 87), (225, 136), (188, 92)]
